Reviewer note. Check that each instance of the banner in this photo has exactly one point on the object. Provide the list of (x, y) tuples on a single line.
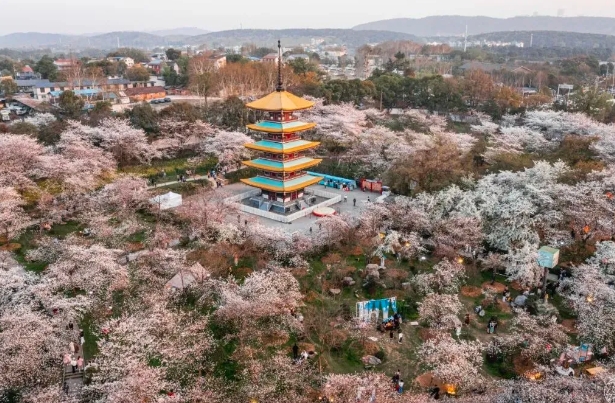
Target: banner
[(370, 311)]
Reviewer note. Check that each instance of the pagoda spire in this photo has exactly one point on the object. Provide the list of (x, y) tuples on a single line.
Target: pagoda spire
[(280, 86)]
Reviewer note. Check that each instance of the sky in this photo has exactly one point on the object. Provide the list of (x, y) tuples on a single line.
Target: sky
[(79, 16)]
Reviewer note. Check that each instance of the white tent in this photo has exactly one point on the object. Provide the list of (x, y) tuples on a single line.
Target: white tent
[(167, 200)]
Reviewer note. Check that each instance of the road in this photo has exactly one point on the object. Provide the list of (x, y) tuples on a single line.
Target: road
[(191, 99)]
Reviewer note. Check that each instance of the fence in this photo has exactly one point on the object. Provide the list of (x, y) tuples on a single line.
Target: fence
[(332, 198)]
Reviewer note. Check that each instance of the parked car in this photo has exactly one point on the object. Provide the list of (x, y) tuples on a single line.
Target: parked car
[(166, 100)]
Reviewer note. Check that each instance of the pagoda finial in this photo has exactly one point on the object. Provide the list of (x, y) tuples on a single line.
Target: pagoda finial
[(280, 86)]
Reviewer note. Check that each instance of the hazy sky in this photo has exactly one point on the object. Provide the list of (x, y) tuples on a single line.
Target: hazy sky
[(79, 16)]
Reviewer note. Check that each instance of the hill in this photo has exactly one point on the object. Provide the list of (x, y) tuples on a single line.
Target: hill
[(550, 39), (291, 37), (455, 25), (34, 39), (184, 31)]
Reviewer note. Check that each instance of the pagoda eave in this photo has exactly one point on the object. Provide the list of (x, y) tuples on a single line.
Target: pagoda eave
[(280, 186), (293, 168), (282, 150), (277, 130)]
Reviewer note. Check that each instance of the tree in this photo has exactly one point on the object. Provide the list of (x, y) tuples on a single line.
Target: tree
[(202, 84), (441, 311), (453, 362), (137, 73), (12, 216), (8, 87), (71, 104), (173, 54), (447, 277), (46, 68), (143, 116), (136, 54), (592, 102)]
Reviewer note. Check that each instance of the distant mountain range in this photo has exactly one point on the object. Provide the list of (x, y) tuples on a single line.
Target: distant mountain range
[(456, 25), (261, 37), (185, 31), (293, 37)]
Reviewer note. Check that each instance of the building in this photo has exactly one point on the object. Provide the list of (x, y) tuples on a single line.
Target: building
[(282, 177), (158, 56), (65, 64), (128, 61), (272, 58), (157, 66), (26, 73), (42, 89), (141, 94), (218, 61), (299, 56)]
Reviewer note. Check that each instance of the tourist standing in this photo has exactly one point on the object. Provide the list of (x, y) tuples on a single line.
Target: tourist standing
[(400, 386), (80, 364), (295, 351), (400, 336)]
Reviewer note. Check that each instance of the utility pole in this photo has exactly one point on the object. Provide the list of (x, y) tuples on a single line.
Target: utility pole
[(531, 40), (465, 40)]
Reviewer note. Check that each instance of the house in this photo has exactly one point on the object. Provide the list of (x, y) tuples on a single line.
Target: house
[(522, 70), (42, 89), (128, 61), (26, 73), (271, 58), (141, 94), (218, 61), (158, 56), (65, 64), (299, 56), (157, 66)]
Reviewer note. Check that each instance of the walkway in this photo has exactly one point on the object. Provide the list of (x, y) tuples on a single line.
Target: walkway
[(191, 179), (74, 380)]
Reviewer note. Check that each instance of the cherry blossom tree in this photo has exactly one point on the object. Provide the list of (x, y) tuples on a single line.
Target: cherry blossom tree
[(446, 277), (92, 269), (228, 147), (19, 155), (31, 349), (13, 219), (362, 388), (594, 301), (441, 311), (454, 362)]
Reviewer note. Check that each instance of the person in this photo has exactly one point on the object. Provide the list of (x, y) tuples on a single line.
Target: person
[(238, 218), (245, 222), (435, 392), (82, 340), (391, 335), (73, 363), (400, 386), (65, 387), (310, 230), (467, 319), (304, 356), (295, 351), (70, 325), (400, 336), (71, 346), (368, 199), (396, 377), (80, 363), (320, 226), (354, 202), (345, 199), (66, 359)]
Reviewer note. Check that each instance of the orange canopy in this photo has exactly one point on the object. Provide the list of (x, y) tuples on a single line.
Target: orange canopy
[(280, 101)]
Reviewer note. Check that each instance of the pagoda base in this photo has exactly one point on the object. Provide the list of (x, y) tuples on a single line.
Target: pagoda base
[(252, 202)]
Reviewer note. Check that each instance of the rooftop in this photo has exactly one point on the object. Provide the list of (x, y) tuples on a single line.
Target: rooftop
[(279, 101), (143, 90), (279, 166), (282, 186), (283, 148), (281, 127)]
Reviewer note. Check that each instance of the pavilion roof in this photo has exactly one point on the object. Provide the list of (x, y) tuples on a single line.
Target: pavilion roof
[(281, 127), (282, 166), (280, 185), (280, 101), (282, 148)]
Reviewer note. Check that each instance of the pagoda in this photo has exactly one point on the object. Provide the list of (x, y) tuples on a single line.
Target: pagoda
[(282, 163)]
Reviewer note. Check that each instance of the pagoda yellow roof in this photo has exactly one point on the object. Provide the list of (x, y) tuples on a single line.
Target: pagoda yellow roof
[(280, 101)]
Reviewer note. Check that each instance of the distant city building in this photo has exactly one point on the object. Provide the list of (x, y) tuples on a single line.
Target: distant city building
[(128, 61), (26, 73), (65, 64), (218, 61)]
